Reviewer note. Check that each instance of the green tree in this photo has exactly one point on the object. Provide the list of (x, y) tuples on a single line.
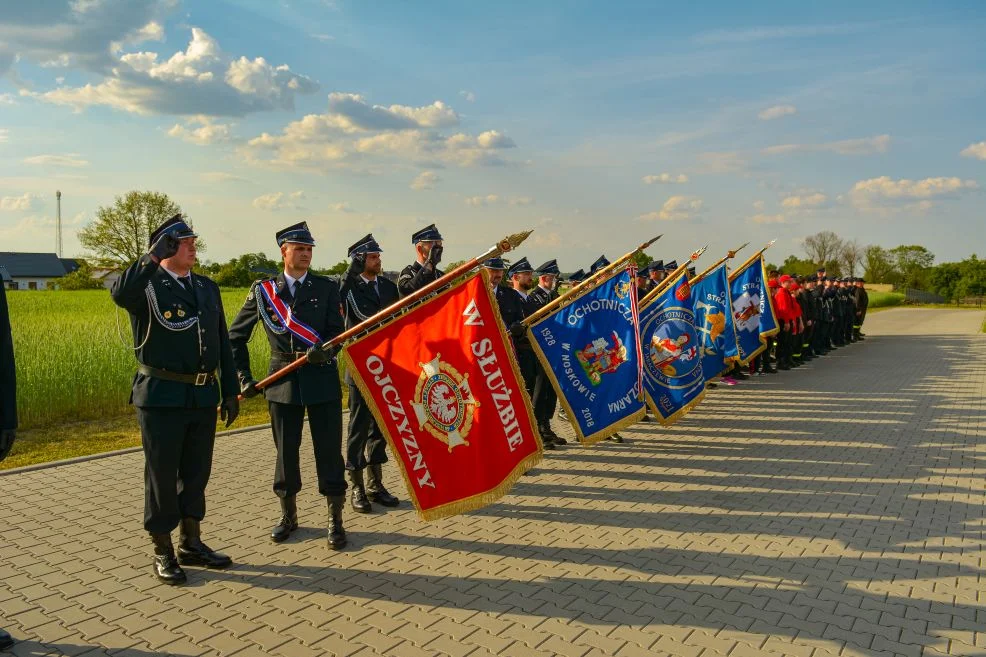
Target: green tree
[(80, 279), (823, 247), (911, 263), (641, 259), (877, 265), (337, 269), (118, 235), (796, 266), (242, 271)]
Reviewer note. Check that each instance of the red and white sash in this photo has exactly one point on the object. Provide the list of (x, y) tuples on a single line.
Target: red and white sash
[(298, 329)]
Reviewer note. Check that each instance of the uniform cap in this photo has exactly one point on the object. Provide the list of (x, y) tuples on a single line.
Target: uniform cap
[(550, 267), (426, 234), (366, 244), (691, 272), (577, 277), (600, 262), (671, 265), (657, 265), (785, 278), (520, 267), (296, 234), (495, 263), (175, 226)]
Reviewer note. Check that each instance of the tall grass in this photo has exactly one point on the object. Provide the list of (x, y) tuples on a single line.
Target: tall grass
[(885, 299), (73, 364)]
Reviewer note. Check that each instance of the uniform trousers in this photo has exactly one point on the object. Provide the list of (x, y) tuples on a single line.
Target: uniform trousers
[(325, 426), (527, 362), (547, 398), (177, 446), (365, 444)]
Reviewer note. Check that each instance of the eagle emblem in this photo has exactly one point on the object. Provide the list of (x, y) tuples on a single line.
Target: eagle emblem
[(443, 402)]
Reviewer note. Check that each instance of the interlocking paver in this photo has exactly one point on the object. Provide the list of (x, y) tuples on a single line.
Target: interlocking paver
[(834, 510)]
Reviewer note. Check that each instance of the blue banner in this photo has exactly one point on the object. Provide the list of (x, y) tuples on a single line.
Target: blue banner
[(590, 351), (714, 322), (673, 377), (753, 308)]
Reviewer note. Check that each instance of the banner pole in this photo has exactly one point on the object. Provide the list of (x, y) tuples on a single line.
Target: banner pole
[(584, 287), (755, 255), (729, 255), (508, 243), (663, 284)]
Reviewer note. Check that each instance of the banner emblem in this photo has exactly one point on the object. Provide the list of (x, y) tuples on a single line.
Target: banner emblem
[(443, 403), (671, 354), (600, 358), (747, 313)]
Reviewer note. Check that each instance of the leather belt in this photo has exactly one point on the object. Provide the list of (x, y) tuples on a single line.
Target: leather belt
[(288, 355), (198, 379)]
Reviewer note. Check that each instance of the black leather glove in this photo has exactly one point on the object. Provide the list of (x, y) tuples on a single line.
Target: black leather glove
[(435, 256), (165, 247), (517, 329), (6, 441), (358, 264), (318, 355), (248, 388), (229, 410)]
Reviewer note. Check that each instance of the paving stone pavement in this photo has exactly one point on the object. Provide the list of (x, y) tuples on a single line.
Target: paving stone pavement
[(837, 509)]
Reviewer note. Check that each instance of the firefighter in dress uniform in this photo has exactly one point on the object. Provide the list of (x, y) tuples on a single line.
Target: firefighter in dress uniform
[(8, 404), (545, 398), (428, 249), (181, 340), (365, 292), (299, 311)]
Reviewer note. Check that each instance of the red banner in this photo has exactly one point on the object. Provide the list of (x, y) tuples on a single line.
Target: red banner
[(445, 390)]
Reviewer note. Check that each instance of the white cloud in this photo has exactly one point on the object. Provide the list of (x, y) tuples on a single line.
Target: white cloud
[(776, 112), (468, 96), (354, 134), (665, 179), (351, 113), (884, 190), (425, 180), (17, 203), (222, 177), (201, 80), (977, 151), (754, 34), (758, 205), (278, 201), (342, 207), (324, 38), (804, 201), (70, 160), (7, 99), (84, 33), (762, 218), (4, 134), (207, 132), (477, 201), (865, 146), (521, 201), (676, 208)]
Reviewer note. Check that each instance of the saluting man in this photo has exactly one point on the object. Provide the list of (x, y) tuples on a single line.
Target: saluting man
[(428, 247), (180, 339), (299, 311), (545, 398), (365, 292)]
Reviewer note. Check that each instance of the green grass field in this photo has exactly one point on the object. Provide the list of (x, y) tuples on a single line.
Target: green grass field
[(885, 299), (74, 372)]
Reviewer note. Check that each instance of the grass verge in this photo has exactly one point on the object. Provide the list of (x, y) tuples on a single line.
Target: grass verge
[(69, 440)]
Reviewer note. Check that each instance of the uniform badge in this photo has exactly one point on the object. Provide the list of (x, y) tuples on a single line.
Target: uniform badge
[(181, 312), (167, 314), (443, 403)]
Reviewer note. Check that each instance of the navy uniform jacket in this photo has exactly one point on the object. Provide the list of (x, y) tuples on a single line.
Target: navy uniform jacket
[(415, 276), (514, 308), (540, 297), (360, 302), (176, 330), (317, 305), (8, 389)]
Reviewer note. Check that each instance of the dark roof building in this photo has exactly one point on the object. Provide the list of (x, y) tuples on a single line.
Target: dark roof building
[(33, 270)]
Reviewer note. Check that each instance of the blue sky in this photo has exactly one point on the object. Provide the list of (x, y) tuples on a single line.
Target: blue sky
[(597, 124)]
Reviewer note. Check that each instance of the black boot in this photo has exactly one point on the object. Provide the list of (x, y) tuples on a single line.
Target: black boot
[(337, 535), (193, 552), (376, 489), (166, 567), (359, 500), (288, 522), (549, 433), (616, 438), (6, 641)]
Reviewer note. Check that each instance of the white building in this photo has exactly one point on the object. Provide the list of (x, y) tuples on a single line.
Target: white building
[(33, 271)]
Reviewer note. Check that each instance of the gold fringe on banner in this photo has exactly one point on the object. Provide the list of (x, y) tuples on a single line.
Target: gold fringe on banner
[(770, 301), (479, 500)]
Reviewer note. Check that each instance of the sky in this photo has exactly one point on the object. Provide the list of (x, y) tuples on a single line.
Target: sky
[(597, 124)]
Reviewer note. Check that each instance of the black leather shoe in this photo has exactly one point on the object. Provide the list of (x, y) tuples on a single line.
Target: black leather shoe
[(616, 438), (288, 522), (6, 641), (337, 535), (549, 433), (193, 552), (166, 567), (358, 498), (376, 490)]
